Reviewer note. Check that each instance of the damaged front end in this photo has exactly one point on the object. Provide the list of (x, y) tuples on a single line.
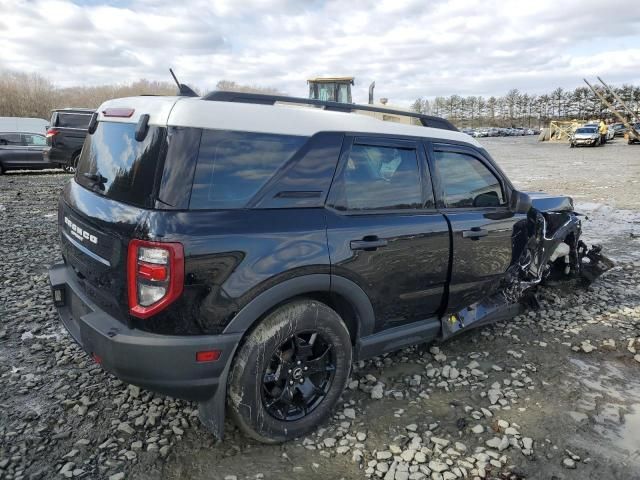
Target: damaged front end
[(546, 249), (553, 250)]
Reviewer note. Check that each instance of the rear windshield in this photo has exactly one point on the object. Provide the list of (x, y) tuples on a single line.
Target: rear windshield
[(70, 120), (233, 166), (114, 164)]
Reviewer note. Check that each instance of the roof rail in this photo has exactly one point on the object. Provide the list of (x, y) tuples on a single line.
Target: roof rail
[(263, 99), (73, 110)]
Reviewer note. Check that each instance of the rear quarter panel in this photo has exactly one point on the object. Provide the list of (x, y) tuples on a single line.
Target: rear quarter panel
[(233, 256)]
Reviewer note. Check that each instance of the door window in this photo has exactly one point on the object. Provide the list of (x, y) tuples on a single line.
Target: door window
[(380, 178), (10, 139), (31, 140), (343, 93), (467, 182), (325, 93)]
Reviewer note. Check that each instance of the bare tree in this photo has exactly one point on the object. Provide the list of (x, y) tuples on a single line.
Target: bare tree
[(32, 95)]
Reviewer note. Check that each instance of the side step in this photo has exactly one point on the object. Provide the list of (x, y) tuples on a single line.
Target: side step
[(490, 309), (398, 337)]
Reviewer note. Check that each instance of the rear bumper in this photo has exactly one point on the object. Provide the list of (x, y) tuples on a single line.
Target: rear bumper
[(162, 363)]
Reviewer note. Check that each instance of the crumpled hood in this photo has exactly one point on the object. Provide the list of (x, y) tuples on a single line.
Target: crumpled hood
[(545, 202)]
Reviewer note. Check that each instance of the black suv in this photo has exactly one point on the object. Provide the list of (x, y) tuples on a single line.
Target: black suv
[(65, 137), (240, 251)]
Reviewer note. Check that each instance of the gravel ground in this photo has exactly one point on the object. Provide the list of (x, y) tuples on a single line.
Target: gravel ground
[(552, 394)]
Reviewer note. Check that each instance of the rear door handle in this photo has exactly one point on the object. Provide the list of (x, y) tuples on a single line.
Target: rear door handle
[(368, 243), (475, 233)]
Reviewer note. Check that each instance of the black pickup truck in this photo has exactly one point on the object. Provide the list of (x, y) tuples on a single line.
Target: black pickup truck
[(65, 137)]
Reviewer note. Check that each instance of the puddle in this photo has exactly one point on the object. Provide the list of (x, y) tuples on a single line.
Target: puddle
[(608, 406), (616, 230), (631, 437)]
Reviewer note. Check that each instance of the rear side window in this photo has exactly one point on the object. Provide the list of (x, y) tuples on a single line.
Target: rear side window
[(114, 164), (233, 166), (33, 140), (72, 120), (380, 178), (467, 182)]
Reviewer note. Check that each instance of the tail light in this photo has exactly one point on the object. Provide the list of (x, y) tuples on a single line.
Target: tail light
[(118, 112), (155, 275), (52, 132)]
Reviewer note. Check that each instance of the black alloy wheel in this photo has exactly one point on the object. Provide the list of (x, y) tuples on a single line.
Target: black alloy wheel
[(298, 377), (289, 371)]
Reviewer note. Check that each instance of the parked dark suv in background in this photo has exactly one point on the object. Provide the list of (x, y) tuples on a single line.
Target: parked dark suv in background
[(66, 134), (241, 251)]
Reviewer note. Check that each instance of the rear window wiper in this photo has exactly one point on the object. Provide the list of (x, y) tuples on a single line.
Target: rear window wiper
[(96, 179)]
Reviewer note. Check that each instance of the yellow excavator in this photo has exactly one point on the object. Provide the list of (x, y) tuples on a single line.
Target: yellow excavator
[(338, 89)]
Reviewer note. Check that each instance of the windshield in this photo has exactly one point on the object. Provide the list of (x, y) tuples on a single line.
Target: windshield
[(586, 130), (70, 120), (114, 164)]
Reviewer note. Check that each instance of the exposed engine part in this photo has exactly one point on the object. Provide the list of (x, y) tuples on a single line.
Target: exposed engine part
[(562, 250), (593, 262)]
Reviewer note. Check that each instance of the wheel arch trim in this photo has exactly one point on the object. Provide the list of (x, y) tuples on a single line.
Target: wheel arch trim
[(291, 288)]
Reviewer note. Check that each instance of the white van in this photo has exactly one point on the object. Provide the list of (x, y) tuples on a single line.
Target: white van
[(23, 125)]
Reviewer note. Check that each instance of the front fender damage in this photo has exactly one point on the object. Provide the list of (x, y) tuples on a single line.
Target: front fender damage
[(546, 249)]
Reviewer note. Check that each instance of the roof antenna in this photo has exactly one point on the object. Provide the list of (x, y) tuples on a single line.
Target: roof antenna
[(183, 90)]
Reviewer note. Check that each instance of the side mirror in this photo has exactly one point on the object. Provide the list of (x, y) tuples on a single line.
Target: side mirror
[(520, 202)]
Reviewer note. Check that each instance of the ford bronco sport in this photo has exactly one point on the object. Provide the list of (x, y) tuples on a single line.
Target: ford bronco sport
[(241, 250)]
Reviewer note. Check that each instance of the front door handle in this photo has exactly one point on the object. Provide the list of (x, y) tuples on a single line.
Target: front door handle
[(475, 233), (369, 243)]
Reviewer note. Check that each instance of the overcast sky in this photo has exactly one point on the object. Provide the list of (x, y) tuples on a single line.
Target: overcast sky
[(410, 48)]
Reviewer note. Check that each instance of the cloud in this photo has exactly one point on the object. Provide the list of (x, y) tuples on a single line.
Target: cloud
[(410, 48)]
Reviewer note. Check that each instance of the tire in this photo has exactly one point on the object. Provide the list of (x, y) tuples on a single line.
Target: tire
[(571, 145), (269, 367), (74, 163)]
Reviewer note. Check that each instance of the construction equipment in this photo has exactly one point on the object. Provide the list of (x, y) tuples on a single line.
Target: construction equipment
[(631, 113), (338, 89), (381, 112), (331, 89), (633, 135)]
